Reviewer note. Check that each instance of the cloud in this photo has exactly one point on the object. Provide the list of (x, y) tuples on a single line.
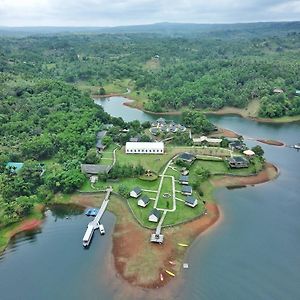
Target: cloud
[(125, 12)]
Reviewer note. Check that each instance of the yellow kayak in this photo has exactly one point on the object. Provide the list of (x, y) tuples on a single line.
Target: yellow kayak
[(183, 245), (170, 273)]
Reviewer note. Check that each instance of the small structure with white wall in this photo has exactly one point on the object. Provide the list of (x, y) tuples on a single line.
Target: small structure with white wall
[(154, 215), (136, 192), (249, 153), (186, 190), (143, 201), (191, 201), (207, 140), (144, 148), (184, 179)]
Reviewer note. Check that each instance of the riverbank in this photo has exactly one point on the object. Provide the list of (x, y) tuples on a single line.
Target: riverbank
[(33, 222)]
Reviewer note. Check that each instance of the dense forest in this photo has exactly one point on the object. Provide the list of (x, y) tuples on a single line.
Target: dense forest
[(205, 69), (48, 121)]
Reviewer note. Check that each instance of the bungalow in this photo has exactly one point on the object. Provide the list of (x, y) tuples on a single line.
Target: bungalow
[(238, 162), (136, 192), (154, 215), (297, 92), (91, 169), (207, 140), (249, 153), (186, 190), (191, 201), (173, 128), (154, 131), (144, 148), (164, 128), (181, 128), (184, 179), (135, 139), (143, 201), (14, 167), (161, 121), (100, 135), (237, 145), (187, 157), (277, 91)]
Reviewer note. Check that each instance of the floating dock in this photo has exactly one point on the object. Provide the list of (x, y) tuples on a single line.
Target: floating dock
[(92, 226)]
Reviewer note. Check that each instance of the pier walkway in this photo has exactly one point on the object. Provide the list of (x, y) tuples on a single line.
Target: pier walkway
[(157, 237), (93, 225)]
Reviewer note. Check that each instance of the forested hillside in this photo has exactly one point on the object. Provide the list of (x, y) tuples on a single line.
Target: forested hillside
[(204, 70)]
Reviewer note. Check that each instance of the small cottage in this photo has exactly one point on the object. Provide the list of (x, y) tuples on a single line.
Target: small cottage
[(277, 91), (136, 192), (249, 153), (237, 162), (143, 201), (204, 140), (99, 144), (184, 179), (154, 131), (187, 157), (14, 167), (154, 215), (191, 201), (186, 190), (237, 145), (91, 169)]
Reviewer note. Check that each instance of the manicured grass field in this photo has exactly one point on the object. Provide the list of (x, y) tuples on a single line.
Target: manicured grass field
[(183, 213), (220, 167), (166, 203), (142, 213)]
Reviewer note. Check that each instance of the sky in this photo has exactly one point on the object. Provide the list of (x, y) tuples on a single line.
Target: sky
[(133, 12)]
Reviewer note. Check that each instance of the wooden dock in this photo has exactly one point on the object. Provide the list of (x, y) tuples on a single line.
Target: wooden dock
[(157, 237), (93, 225)]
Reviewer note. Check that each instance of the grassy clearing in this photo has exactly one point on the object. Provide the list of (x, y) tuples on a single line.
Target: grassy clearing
[(130, 183), (142, 213), (183, 213), (166, 203), (216, 167), (152, 64)]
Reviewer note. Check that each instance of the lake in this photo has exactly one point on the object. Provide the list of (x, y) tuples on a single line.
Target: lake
[(252, 254)]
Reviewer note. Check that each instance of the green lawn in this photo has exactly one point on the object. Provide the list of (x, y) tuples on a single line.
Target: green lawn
[(128, 182), (166, 203), (148, 161), (221, 167), (142, 213), (183, 213)]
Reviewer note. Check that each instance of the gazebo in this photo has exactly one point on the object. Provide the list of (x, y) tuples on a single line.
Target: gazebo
[(249, 153)]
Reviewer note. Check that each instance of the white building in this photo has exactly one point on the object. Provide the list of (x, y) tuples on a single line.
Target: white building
[(205, 139), (144, 148)]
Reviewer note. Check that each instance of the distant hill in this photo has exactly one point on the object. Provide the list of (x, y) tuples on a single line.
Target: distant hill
[(169, 29)]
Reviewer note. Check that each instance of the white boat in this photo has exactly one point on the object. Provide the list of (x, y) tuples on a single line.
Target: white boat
[(297, 146), (88, 235), (101, 228)]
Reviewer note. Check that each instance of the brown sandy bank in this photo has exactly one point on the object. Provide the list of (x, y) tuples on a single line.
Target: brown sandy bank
[(139, 262), (271, 142)]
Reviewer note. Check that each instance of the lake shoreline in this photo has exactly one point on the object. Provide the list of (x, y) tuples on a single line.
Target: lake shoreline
[(229, 111)]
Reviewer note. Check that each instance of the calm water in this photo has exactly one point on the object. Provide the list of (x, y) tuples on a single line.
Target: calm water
[(253, 254)]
